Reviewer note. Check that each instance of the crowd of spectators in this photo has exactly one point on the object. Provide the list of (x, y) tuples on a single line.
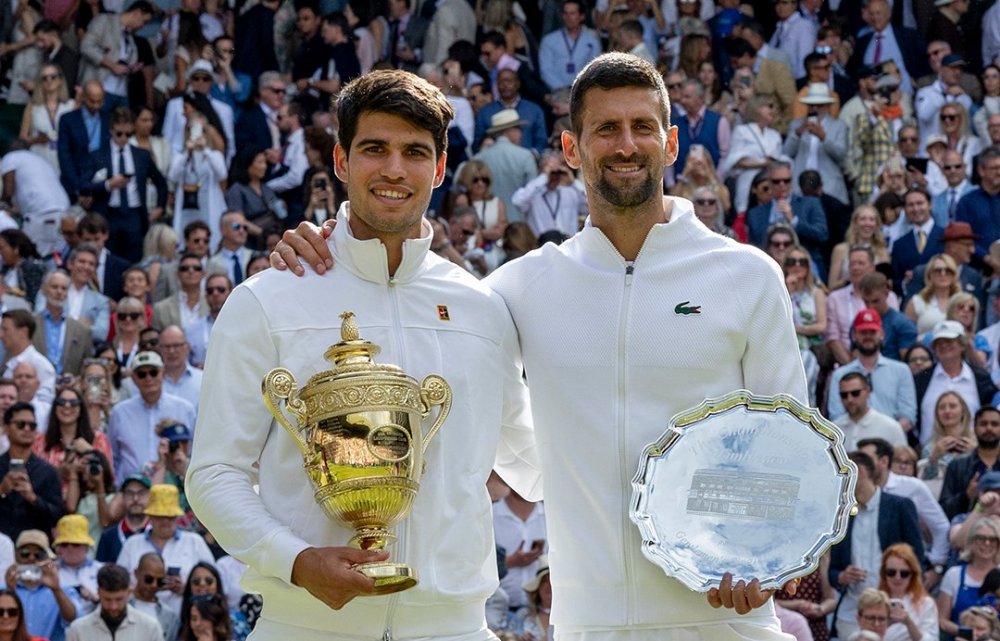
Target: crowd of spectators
[(164, 146)]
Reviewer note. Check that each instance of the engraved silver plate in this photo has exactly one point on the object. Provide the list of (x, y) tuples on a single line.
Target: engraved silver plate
[(759, 486)]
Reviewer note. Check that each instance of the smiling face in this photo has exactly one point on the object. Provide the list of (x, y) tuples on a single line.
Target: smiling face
[(622, 147), (390, 172), (203, 582), (898, 576)]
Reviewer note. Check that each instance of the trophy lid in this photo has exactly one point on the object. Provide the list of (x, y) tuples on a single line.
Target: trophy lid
[(353, 355)]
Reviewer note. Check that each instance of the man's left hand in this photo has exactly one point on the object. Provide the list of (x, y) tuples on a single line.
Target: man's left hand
[(743, 597)]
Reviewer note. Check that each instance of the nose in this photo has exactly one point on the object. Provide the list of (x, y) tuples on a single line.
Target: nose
[(393, 167), (626, 144)]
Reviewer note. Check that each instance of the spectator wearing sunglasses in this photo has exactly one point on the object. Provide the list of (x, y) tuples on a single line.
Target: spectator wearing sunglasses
[(233, 254), (187, 304), (217, 290), (46, 607), (912, 612), (30, 492), (131, 426), (205, 583), (944, 205), (861, 421), (150, 576)]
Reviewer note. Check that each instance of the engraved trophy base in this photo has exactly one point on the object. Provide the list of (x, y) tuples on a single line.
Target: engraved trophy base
[(388, 577)]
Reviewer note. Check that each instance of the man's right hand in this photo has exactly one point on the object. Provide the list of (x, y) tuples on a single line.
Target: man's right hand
[(117, 182), (852, 574), (973, 488), (329, 575), (306, 242)]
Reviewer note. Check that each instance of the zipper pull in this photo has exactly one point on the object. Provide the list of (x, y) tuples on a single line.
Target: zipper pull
[(387, 635), (629, 269)]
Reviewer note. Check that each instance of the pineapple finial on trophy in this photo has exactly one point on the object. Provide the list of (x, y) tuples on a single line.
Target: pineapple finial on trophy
[(349, 327)]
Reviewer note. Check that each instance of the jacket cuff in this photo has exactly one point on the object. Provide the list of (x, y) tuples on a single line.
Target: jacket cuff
[(280, 554)]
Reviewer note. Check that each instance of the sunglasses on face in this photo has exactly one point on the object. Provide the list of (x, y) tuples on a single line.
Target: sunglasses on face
[(149, 343), (13, 613), (873, 618), (121, 134), (129, 315), (190, 268), (67, 402), (919, 359), (952, 167), (796, 262), (208, 581), (25, 425), (942, 270), (908, 139), (50, 76), (238, 226), (984, 539), (949, 117), (851, 393), (143, 373), (201, 78), (215, 290), (704, 202), (481, 179), (824, 50), (903, 574), (32, 555), (277, 90), (675, 85), (781, 243), (149, 579), (781, 181)]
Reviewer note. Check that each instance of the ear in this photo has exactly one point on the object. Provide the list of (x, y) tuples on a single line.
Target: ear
[(670, 148), (571, 149), (440, 169), (340, 163)]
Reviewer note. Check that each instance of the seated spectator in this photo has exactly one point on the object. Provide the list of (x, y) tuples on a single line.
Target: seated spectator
[(134, 443), (891, 382), (814, 599), (96, 382), (534, 134), (539, 589), (151, 574), (700, 171), (175, 452), (964, 309), (205, 582), (919, 358), (930, 305), (956, 186), (708, 209), (187, 304), (77, 572), (861, 421), (181, 549), (977, 464), (919, 244), (15, 629), (952, 435), (217, 290), (30, 494), (913, 615), (754, 144), (904, 460), (511, 165), (207, 620), (518, 240), (131, 319), (35, 578), (179, 377), (159, 248), (952, 372), (959, 244), (115, 618), (83, 303), (247, 191), (319, 196), (29, 391), (899, 331), (132, 502), (552, 200), (64, 340), (960, 585), (233, 254), (476, 178), (956, 127), (983, 621), (23, 268), (808, 298), (817, 140), (873, 613)]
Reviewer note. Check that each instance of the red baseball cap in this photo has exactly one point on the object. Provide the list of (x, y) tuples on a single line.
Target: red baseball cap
[(867, 319)]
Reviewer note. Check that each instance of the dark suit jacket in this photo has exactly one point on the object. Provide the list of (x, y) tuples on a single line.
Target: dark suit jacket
[(73, 150), (252, 130), (897, 523), (77, 344), (984, 386), (811, 227), (910, 43), (145, 170), (68, 60), (254, 42), (114, 270), (905, 256)]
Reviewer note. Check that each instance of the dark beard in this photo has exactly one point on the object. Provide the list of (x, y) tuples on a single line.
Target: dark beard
[(627, 198), (869, 351), (988, 444)]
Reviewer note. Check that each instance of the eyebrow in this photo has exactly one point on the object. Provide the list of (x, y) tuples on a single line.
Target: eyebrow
[(407, 146)]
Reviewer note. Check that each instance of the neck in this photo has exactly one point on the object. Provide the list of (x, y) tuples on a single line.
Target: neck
[(230, 246), (192, 291), (942, 293), (173, 372), (135, 523), (951, 14), (627, 228), (520, 507), (865, 494), (952, 367), (574, 32), (857, 416), (393, 242), (868, 361), (67, 431), (151, 398), (20, 451), (16, 350), (55, 312)]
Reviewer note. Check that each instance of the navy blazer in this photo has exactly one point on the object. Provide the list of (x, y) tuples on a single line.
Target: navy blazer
[(811, 226), (905, 256), (897, 523), (252, 130), (114, 270), (145, 170), (910, 43), (73, 149)]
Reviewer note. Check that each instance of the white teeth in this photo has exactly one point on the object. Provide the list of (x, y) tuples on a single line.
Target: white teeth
[(623, 170), (390, 194)]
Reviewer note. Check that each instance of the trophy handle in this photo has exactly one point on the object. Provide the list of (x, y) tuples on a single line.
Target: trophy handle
[(279, 385), (434, 390)]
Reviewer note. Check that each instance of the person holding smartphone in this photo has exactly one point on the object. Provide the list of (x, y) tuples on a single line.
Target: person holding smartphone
[(30, 491), (321, 203)]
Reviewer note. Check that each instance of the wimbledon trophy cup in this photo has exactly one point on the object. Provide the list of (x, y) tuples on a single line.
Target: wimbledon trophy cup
[(359, 430)]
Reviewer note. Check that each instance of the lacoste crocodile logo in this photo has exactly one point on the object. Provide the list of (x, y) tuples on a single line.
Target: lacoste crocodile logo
[(684, 309)]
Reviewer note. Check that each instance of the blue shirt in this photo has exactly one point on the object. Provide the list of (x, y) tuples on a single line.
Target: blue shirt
[(41, 612), (560, 58), (132, 430), (900, 333), (188, 386), (92, 123), (982, 211), (54, 329), (893, 391)]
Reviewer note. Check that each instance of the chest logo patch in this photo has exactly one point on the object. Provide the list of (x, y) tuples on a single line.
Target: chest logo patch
[(686, 308), (443, 313)]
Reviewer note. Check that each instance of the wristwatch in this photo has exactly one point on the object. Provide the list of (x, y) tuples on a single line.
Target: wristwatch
[(938, 568)]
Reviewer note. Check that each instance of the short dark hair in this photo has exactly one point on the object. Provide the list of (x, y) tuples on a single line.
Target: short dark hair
[(188, 256), (738, 47), (194, 226), (93, 223), (917, 190), (863, 460), (121, 116), (229, 283), (810, 181), (813, 59), (872, 282), (988, 154), (755, 26), (338, 19), (397, 93), (112, 578), (857, 376), (142, 6), (614, 71), (983, 410), (883, 448), (19, 406), (84, 248), (495, 38), (46, 26), (632, 26), (21, 318)]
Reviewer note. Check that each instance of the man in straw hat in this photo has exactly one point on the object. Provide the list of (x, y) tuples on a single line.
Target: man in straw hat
[(76, 570), (818, 140), (511, 164), (427, 315), (591, 316), (35, 578), (181, 549)]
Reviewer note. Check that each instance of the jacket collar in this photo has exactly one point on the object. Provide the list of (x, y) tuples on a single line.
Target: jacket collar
[(661, 236), (368, 260)]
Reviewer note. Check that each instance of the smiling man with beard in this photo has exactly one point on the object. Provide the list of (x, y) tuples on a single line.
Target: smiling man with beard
[(961, 480)]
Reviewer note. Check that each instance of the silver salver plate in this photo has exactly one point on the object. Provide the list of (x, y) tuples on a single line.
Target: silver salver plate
[(758, 486)]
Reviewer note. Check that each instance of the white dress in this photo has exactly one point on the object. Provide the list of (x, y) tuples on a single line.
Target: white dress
[(928, 314), (206, 169), (750, 142), (41, 123), (488, 212)]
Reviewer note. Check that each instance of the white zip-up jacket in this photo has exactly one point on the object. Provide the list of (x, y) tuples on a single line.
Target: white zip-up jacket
[(431, 317), (612, 351)]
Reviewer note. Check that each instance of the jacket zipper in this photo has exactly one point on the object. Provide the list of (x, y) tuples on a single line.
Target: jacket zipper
[(622, 422), (401, 529)]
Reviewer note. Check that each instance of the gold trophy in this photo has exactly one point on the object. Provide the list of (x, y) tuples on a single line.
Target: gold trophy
[(359, 429)]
